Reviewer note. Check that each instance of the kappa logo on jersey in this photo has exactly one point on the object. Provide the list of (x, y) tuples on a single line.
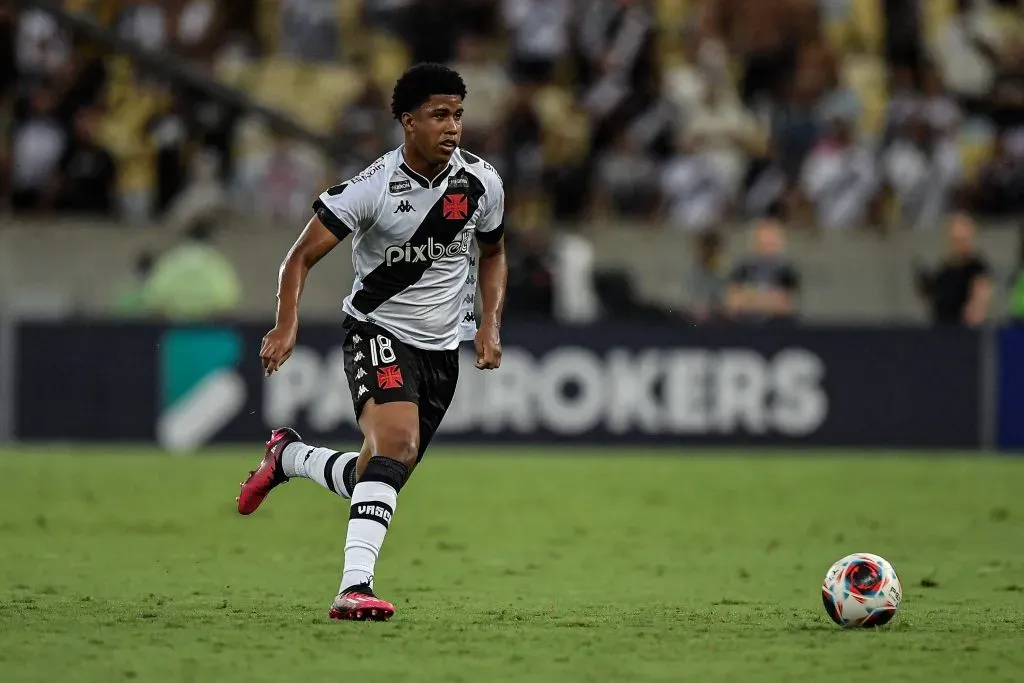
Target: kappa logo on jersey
[(468, 299), (404, 207), (469, 318), (431, 251), (399, 186), (389, 377), (455, 207)]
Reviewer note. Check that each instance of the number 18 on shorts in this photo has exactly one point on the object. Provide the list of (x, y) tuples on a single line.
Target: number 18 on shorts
[(377, 365)]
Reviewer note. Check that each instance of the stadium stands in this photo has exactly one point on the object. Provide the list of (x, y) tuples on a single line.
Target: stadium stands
[(627, 81)]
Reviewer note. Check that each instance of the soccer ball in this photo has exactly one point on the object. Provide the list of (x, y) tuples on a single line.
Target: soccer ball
[(861, 590)]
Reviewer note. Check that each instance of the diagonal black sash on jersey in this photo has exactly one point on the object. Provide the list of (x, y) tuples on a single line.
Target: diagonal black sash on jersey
[(385, 281)]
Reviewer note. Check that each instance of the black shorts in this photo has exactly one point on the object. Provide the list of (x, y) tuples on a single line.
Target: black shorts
[(381, 367)]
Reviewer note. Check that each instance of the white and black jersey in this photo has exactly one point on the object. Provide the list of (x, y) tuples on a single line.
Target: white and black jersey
[(413, 243)]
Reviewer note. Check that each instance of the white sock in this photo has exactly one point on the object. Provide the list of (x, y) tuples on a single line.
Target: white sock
[(373, 504), (325, 466)]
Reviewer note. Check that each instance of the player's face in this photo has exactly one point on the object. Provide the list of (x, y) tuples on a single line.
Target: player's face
[(435, 129)]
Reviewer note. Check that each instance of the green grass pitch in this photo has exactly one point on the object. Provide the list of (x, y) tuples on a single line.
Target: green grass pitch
[(553, 565)]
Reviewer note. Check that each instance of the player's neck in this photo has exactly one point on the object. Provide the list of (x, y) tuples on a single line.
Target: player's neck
[(421, 165)]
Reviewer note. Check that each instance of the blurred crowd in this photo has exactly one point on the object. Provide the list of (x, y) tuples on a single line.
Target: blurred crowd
[(842, 113), (692, 114)]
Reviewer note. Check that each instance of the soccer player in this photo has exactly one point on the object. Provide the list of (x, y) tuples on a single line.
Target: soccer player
[(415, 215)]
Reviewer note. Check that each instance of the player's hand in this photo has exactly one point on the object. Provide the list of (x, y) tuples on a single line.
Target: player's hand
[(488, 347), (277, 347)]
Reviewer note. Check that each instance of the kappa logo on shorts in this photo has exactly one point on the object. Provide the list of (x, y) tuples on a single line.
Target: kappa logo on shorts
[(455, 207), (389, 377)]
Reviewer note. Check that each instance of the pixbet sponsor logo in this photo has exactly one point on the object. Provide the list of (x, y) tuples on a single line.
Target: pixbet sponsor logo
[(429, 252)]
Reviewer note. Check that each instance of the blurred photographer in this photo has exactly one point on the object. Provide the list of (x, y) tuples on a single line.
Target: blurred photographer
[(959, 291)]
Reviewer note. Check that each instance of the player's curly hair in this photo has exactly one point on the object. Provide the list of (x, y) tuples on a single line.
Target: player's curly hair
[(420, 83)]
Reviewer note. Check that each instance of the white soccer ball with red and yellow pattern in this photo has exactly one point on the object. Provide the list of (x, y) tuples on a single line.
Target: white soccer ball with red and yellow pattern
[(861, 590)]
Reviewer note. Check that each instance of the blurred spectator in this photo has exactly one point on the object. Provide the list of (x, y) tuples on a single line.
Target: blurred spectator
[(704, 62), (903, 28), (386, 15), (364, 129), (617, 61), (959, 291), (840, 177), (923, 170), (530, 290), (695, 197), (965, 55), (43, 49), (796, 123), (726, 136), (87, 175), (38, 143), (763, 286), (941, 111), (130, 295), (519, 138), (8, 53), (432, 30), (999, 190), (708, 282), (309, 30), (538, 37), (278, 181), (170, 136), (488, 92), (627, 181), (193, 281)]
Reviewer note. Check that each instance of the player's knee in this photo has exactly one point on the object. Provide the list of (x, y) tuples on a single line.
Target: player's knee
[(399, 442), (386, 470)]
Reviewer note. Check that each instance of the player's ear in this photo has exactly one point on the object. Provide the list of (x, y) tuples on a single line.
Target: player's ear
[(407, 119)]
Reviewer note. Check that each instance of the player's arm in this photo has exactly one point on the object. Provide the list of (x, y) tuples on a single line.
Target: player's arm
[(976, 310), (493, 280), (337, 212), (312, 245), (493, 275)]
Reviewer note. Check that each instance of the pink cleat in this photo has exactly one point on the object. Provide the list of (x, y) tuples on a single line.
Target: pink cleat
[(358, 603), (263, 479)]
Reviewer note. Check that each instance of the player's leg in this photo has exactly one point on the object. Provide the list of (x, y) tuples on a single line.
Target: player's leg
[(384, 376), (403, 429), (287, 457), (441, 377), (336, 472)]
